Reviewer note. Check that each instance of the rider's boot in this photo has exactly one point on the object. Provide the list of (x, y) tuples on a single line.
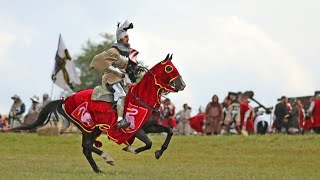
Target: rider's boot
[(121, 122)]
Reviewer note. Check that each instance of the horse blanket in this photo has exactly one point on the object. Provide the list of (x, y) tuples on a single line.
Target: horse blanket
[(89, 114)]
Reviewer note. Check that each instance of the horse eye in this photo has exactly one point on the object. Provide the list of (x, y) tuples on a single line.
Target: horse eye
[(169, 68)]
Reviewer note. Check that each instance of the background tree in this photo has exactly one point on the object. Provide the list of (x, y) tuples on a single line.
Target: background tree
[(91, 78)]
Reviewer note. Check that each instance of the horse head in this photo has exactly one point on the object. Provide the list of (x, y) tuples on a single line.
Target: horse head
[(167, 76)]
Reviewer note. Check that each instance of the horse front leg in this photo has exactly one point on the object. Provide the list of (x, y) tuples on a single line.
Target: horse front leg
[(142, 136), (156, 128), (129, 148)]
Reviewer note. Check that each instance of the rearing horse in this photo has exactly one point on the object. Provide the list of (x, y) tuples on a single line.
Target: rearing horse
[(141, 109)]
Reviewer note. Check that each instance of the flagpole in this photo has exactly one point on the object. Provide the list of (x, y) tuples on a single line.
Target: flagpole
[(51, 90), (54, 75)]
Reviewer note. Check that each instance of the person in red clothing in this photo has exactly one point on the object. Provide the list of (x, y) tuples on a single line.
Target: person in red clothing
[(197, 122), (308, 124), (302, 115), (246, 115), (168, 111), (308, 121), (3, 123), (314, 110)]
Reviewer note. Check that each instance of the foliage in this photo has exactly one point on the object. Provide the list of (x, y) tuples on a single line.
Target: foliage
[(90, 78), (28, 156)]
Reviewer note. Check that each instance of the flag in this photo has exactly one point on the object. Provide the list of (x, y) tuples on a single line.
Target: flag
[(64, 73), (133, 55)]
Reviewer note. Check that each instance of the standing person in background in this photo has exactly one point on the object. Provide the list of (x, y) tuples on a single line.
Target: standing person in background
[(233, 111), (33, 112), (168, 111), (3, 123), (281, 113), (225, 104), (16, 111), (314, 110), (293, 123), (246, 115), (45, 100), (308, 121), (213, 117), (185, 114), (302, 115)]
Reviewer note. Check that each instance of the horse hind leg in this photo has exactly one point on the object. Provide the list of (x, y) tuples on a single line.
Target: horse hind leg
[(87, 144), (87, 151), (104, 155)]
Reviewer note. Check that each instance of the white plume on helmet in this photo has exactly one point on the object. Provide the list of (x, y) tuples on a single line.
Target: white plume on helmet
[(122, 30)]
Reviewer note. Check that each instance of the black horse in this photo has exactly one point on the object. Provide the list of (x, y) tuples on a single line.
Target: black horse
[(162, 78)]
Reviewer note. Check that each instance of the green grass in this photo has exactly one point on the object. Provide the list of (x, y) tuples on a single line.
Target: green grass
[(28, 156)]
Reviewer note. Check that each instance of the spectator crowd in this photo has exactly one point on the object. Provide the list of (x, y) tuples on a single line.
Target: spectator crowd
[(236, 115), (233, 115), (18, 108)]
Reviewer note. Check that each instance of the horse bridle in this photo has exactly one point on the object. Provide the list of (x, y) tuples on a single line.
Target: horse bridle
[(144, 103), (141, 101)]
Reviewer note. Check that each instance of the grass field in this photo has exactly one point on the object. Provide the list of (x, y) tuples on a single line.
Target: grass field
[(28, 156)]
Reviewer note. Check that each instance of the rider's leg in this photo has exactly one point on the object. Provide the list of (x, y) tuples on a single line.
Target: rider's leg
[(119, 96)]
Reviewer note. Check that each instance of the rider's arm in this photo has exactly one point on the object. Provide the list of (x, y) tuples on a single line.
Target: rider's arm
[(116, 71), (245, 119), (311, 107), (121, 63)]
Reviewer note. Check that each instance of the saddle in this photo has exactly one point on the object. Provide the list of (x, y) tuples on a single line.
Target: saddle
[(102, 94)]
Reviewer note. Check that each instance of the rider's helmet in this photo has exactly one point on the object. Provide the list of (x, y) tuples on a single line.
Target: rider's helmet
[(122, 30)]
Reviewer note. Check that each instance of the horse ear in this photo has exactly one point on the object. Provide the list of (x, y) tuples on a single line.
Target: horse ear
[(167, 57), (170, 58), (165, 60)]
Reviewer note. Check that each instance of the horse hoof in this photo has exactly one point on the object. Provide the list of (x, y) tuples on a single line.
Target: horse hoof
[(158, 154), (125, 148), (98, 171), (110, 163), (130, 149)]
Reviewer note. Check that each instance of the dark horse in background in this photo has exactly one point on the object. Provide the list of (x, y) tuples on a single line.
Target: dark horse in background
[(160, 79)]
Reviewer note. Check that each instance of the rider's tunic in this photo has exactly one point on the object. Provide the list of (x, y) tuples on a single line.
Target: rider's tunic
[(108, 58)]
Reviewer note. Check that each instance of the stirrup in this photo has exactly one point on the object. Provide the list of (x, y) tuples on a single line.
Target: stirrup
[(123, 124)]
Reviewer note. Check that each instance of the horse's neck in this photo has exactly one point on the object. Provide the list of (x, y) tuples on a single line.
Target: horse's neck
[(147, 90)]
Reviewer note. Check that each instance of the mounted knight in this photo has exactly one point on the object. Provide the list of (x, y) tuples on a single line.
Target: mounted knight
[(118, 64), (92, 111)]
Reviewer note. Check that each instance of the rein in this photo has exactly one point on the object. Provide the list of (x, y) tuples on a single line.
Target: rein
[(138, 99), (144, 103)]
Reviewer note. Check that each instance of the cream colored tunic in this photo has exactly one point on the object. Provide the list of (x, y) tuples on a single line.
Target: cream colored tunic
[(102, 61)]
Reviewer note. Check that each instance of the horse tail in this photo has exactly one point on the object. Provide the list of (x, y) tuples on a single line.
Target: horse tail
[(44, 116)]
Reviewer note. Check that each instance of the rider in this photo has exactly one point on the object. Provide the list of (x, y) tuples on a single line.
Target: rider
[(114, 62)]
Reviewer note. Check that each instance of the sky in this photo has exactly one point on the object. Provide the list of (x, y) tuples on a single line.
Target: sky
[(270, 47)]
